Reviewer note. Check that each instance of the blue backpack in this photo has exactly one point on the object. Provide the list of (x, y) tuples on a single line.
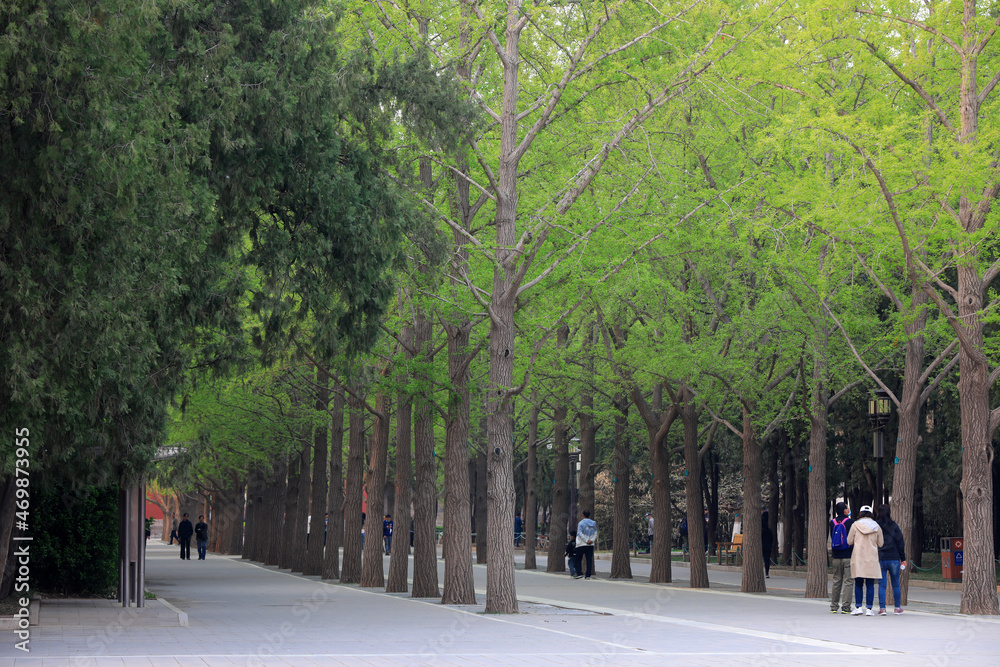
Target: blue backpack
[(839, 539)]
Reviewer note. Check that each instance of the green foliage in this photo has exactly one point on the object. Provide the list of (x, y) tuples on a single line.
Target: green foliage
[(75, 541)]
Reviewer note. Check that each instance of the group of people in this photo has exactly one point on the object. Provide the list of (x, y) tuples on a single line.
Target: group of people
[(580, 546), (183, 532), (870, 548)]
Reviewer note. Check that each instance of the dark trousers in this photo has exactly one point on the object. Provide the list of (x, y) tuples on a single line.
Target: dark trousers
[(185, 547), (202, 549), (588, 553), (387, 542)]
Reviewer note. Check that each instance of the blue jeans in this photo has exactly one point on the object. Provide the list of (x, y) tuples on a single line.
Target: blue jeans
[(574, 569), (892, 568), (859, 585), (202, 548)]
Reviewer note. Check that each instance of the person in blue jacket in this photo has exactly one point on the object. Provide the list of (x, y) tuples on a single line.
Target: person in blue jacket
[(843, 582), (891, 558)]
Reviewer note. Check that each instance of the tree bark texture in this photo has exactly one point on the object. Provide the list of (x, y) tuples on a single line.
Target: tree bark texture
[(274, 502), (481, 516), (753, 566), (819, 514), (457, 550), (692, 487), (291, 510), (335, 494), (560, 489), (588, 450), (317, 526), (302, 506), (350, 573), (621, 564), (531, 490), (373, 566), (425, 573), (399, 561)]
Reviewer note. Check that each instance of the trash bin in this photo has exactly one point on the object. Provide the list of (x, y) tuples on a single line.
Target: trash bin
[(952, 552)]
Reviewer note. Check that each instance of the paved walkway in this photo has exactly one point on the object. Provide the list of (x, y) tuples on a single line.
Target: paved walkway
[(241, 613)]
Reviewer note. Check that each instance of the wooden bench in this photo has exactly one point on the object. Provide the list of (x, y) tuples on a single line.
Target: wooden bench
[(731, 550)]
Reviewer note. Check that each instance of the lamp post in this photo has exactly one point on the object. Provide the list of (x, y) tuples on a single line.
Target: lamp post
[(878, 414), (574, 468)]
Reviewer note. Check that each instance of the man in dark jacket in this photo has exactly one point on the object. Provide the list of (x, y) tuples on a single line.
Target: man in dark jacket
[(843, 583), (201, 536), (184, 532), (891, 558)]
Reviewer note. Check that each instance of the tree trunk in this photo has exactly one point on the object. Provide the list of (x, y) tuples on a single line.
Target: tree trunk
[(621, 565), (787, 497), (692, 486), (350, 573), (753, 566), (904, 476), (458, 582), (531, 489), (588, 449), (400, 560), (560, 487), (317, 525), (819, 516), (425, 574), (481, 493), (979, 592), (291, 508), (373, 566), (255, 515), (774, 497), (335, 495), (302, 506), (274, 503)]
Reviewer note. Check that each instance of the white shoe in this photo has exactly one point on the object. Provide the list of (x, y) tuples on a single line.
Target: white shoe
[(857, 611), (870, 612)]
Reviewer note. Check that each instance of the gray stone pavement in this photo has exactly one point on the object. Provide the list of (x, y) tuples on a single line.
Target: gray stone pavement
[(241, 613)]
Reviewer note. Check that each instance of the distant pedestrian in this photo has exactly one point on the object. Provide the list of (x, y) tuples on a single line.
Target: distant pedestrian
[(706, 531), (173, 534), (518, 528), (201, 537), (574, 566), (184, 532), (362, 531), (649, 532), (683, 531), (866, 537), (766, 540), (891, 558), (586, 540), (387, 533), (843, 583)]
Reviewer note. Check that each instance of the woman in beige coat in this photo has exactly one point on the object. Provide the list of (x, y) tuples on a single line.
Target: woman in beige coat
[(866, 536)]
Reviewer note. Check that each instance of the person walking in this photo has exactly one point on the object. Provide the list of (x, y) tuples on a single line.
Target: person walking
[(766, 540), (387, 533), (201, 537), (866, 537), (184, 532), (843, 583), (574, 566), (518, 529), (586, 540), (891, 558), (649, 533)]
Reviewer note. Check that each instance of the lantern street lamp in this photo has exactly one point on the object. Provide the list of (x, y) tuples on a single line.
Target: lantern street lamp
[(574, 470), (878, 415)]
